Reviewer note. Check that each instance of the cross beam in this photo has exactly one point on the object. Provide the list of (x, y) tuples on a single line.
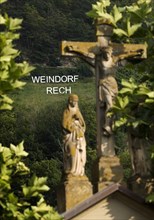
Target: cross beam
[(88, 49), (106, 86)]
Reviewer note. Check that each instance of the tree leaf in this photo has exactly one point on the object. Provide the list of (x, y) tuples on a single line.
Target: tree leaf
[(19, 150), (92, 14), (120, 122), (131, 29), (150, 198), (125, 102), (2, 20), (9, 51), (126, 90), (116, 14), (2, 1), (149, 101), (17, 84), (14, 23), (37, 185), (120, 32), (127, 84), (150, 94)]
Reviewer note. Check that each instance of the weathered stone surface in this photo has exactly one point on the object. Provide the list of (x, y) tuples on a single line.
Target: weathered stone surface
[(73, 191), (107, 146), (108, 170)]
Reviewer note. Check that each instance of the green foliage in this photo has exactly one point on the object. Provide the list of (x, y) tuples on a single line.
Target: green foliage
[(80, 68), (18, 204), (46, 23), (127, 20), (10, 70), (126, 163), (121, 141), (91, 158), (150, 198), (99, 11), (53, 170), (135, 105), (37, 119), (88, 109), (2, 1), (8, 127), (83, 70), (19, 200), (135, 17)]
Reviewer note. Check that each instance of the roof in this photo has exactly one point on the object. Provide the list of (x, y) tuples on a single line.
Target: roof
[(108, 191)]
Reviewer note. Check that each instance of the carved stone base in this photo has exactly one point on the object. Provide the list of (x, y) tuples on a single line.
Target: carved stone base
[(108, 170), (73, 191), (142, 186), (108, 146)]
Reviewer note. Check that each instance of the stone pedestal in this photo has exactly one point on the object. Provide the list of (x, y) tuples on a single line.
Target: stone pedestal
[(142, 186), (107, 170), (73, 191)]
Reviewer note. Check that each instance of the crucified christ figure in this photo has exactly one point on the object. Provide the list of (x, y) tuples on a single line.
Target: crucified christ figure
[(106, 63)]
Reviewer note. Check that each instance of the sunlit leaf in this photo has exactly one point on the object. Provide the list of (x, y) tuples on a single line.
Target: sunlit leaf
[(150, 198), (120, 32), (2, 1), (14, 23), (120, 122), (127, 84), (151, 94), (131, 29), (116, 14), (2, 20), (17, 84), (149, 101), (126, 90), (19, 150)]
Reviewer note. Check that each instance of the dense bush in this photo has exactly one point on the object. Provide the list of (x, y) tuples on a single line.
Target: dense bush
[(81, 69), (8, 128), (126, 163), (41, 131), (21, 199), (51, 169), (11, 71), (53, 71), (46, 23)]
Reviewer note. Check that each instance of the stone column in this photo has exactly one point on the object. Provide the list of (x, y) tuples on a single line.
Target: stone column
[(106, 171), (107, 168), (74, 190)]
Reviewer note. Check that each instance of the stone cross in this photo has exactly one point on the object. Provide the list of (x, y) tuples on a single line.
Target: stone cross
[(104, 56)]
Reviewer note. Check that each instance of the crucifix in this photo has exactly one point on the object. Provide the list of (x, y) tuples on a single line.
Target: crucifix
[(104, 56)]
